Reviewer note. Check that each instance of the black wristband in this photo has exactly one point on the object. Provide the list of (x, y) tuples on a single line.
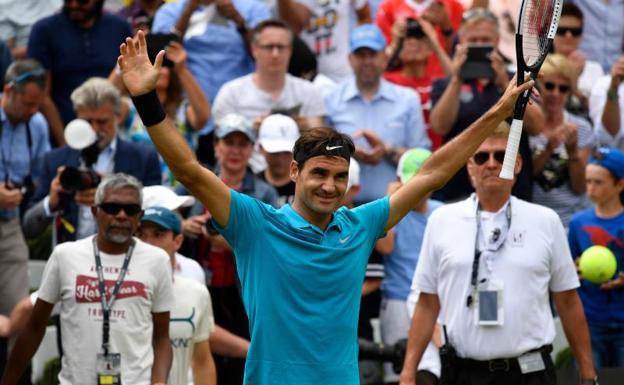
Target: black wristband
[(149, 108)]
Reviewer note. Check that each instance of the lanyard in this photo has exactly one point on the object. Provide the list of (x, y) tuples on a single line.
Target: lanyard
[(106, 307), (477, 253)]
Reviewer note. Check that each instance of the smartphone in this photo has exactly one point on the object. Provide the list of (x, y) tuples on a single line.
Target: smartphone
[(157, 42), (478, 64)]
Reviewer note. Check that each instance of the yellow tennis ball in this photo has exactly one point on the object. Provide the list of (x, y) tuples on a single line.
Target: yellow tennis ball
[(597, 264)]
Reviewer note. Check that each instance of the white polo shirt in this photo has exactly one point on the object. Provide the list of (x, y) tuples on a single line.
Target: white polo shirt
[(534, 260)]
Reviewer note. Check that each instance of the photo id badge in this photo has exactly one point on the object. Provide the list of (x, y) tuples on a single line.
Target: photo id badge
[(489, 309), (531, 362), (108, 369)]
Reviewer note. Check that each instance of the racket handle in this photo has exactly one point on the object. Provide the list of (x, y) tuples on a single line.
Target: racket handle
[(511, 152)]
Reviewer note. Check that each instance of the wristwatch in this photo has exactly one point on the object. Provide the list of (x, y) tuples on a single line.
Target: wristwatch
[(589, 381), (612, 95)]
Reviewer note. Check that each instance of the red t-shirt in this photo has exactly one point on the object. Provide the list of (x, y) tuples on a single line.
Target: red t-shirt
[(390, 11), (423, 87)]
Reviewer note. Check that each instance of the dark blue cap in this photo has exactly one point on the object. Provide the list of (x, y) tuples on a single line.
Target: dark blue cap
[(163, 217), (610, 158)]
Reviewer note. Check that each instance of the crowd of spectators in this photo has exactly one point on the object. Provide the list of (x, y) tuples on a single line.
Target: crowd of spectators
[(242, 78)]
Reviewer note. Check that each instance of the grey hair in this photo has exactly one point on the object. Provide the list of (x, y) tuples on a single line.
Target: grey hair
[(118, 181), (94, 93)]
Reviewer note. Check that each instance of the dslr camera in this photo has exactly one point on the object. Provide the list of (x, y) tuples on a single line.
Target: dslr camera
[(74, 179)]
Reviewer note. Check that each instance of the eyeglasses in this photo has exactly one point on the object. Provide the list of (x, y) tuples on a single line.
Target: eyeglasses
[(271, 47), (479, 13), (550, 86), (483, 156), (130, 209), (575, 31)]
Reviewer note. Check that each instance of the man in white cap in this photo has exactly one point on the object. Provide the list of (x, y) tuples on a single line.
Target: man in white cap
[(276, 139)]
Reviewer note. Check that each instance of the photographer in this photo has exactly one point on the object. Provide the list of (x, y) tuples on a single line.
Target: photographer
[(23, 142), (98, 102), (479, 76)]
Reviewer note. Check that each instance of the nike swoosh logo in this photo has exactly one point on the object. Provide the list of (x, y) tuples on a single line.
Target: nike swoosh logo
[(329, 148), (343, 240)]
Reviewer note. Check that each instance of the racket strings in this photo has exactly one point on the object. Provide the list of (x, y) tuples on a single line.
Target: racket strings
[(538, 16)]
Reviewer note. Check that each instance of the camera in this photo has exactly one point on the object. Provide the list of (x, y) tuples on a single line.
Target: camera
[(414, 29), (394, 354), (478, 64), (74, 179)]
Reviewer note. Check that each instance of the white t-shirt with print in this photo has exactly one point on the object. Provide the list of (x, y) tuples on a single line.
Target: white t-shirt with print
[(533, 261), (327, 35), (70, 278), (191, 322), (189, 268)]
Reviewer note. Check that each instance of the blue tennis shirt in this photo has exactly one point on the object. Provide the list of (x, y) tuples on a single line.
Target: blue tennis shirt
[(301, 288)]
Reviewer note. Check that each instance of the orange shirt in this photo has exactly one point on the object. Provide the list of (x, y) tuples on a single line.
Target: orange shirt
[(390, 11)]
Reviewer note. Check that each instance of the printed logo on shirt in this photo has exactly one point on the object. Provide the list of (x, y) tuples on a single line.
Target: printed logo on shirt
[(87, 289), (322, 26), (517, 238)]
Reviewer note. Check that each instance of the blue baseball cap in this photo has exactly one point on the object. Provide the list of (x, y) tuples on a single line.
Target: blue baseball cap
[(610, 158), (235, 123), (367, 36), (164, 218)]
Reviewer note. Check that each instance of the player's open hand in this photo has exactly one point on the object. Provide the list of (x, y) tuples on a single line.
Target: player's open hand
[(137, 72)]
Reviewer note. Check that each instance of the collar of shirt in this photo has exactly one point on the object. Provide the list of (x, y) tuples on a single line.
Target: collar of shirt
[(385, 91), (298, 222)]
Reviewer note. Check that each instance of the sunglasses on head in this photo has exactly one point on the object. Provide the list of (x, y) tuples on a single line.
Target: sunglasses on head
[(130, 209), (575, 31), (550, 86), (483, 156)]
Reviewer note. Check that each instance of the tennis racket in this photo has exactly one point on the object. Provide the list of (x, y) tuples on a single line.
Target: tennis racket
[(537, 26)]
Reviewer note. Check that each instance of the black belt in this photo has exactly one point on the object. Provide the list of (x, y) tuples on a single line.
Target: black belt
[(500, 364)]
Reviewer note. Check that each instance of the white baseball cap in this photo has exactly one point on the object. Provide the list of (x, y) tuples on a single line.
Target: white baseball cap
[(164, 197), (278, 133)]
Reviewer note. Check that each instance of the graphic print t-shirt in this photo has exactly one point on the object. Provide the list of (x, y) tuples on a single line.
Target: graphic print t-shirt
[(70, 278)]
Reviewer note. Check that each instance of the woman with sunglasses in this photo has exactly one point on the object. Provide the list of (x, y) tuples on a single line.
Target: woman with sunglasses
[(567, 42), (561, 151)]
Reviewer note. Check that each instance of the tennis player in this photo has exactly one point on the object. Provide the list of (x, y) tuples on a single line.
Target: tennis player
[(301, 267)]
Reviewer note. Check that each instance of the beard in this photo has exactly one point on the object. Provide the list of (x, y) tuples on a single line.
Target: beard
[(81, 15), (118, 233)]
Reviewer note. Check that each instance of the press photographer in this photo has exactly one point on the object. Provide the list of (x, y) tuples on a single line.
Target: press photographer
[(66, 189)]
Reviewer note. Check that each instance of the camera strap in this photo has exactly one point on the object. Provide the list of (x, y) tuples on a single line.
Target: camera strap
[(107, 305), (474, 275)]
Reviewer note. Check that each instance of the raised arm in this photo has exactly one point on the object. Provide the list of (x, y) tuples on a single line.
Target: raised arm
[(139, 77), (445, 162)]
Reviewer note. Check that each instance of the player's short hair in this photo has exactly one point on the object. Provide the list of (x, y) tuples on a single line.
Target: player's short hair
[(558, 65), (322, 141)]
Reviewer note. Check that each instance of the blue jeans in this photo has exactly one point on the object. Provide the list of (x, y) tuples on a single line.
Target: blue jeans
[(607, 339)]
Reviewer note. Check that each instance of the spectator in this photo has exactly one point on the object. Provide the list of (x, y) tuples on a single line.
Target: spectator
[(191, 320), (5, 61), (487, 311), (79, 43), (606, 105), (369, 108), (133, 326), (277, 137), (445, 15), (400, 248), (603, 225), (325, 27), (23, 143), (303, 65), (234, 143), (458, 102), (270, 89), (506, 11), (216, 36), (140, 14), (603, 33), (566, 43), (17, 18), (414, 42), (560, 152), (98, 102), (185, 102)]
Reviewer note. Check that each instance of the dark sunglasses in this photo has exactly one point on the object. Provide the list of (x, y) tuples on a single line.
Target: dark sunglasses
[(483, 156), (550, 86), (575, 31), (130, 209)]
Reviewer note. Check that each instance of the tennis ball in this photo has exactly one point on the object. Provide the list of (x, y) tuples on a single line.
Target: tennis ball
[(597, 264)]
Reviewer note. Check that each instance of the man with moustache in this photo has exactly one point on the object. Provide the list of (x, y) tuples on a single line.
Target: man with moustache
[(78, 43), (124, 335)]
